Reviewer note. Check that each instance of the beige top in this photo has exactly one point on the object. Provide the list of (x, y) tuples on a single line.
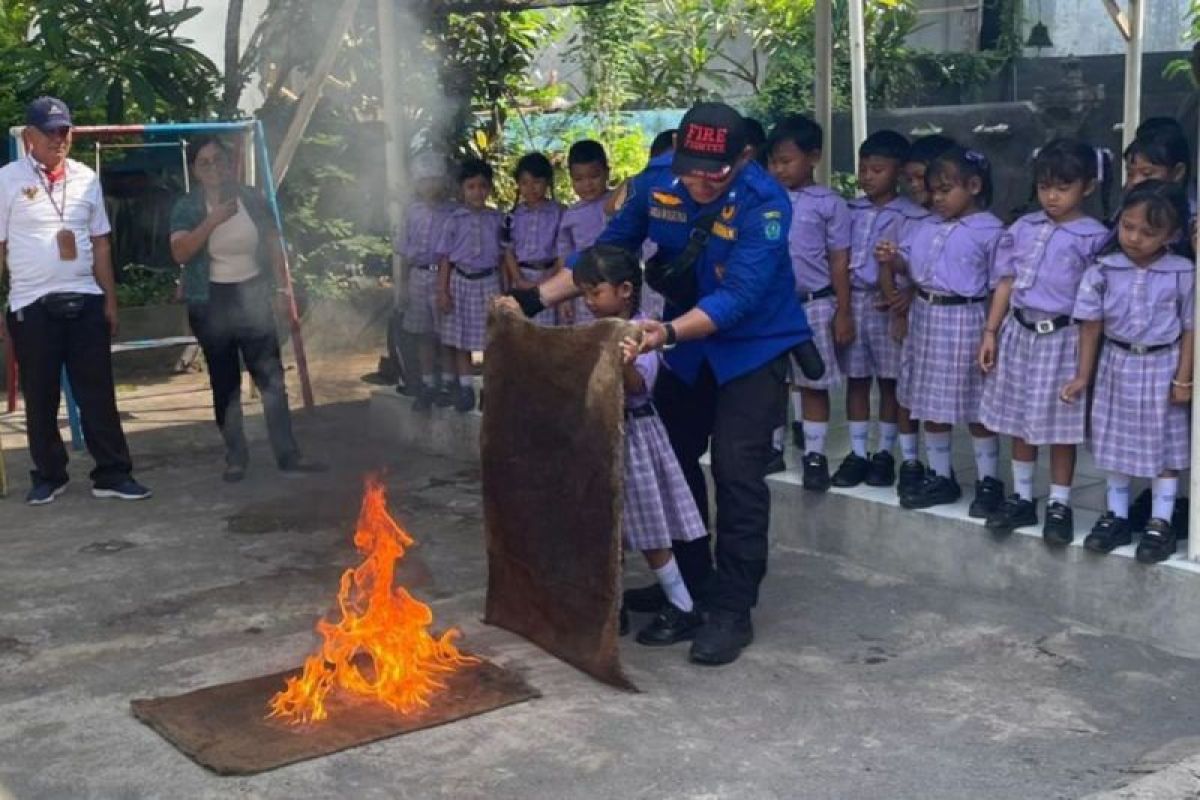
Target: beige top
[(233, 249)]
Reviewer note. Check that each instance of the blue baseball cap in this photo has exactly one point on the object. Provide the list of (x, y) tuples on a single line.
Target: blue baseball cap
[(48, 114)]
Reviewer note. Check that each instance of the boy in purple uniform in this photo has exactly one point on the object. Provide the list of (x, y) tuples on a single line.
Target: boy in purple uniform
[(582, 222), (1137, 306), (880, 214), (530, 254), (468, 273), (819, 245), (423, 222), (1028, 355)]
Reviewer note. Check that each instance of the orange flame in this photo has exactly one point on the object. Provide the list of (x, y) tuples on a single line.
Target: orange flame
[(381, 648)]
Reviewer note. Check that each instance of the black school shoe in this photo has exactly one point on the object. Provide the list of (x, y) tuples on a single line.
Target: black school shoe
[(721, 639), (670, 626), (989, 494), (1109, 533), (935, 490), (466, 399), (852, 472), (816, 472), (1059, 528), (1014, 512), (644, 599), (882, 469), (912, 476), (798, 435), (1157, 543)]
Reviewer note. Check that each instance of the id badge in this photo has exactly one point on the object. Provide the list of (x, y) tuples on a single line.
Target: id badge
[(66, 245)]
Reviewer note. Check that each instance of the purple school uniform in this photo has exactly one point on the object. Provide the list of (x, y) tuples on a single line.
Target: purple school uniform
[(423, 223), (820, 224), (873, 353), (1021, 396), (578, 229), (1136, 430), (535, 245), (940, 379), (471, 242), (658, 505)]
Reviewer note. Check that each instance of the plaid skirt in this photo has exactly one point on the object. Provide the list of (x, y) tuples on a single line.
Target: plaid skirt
[(464, 327), (659, 505), (873, 353), (1136, 429), (940, 379), (1021, 396), (549, 317), (820, 320), (421, 313)]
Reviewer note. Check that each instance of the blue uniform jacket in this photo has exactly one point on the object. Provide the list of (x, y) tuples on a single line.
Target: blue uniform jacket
[(745, 276)]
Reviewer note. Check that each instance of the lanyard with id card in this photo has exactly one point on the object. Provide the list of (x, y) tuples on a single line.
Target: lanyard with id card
[(65, 238)]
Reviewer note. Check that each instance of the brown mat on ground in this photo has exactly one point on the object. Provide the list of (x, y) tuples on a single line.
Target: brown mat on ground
[(552, 453), (224, 727)]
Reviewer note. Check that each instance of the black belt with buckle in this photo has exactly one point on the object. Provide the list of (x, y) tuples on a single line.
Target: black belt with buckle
[(1140, 349), (426, 267), (638, 412), (817, 295), (475, 276), (1044, 326), (538, 266), (948, 299)]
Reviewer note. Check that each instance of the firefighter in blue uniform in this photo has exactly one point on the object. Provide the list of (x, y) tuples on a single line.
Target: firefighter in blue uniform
[(732, 318)]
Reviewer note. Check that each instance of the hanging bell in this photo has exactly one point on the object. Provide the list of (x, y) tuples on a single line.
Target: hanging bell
[(1039, 36)]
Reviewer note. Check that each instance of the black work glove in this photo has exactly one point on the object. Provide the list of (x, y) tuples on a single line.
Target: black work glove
[(530, 300), (808, 358)]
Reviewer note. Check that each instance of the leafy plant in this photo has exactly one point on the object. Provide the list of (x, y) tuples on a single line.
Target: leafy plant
[(140, 285)]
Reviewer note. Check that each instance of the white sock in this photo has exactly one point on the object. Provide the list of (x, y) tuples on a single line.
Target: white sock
[(887, 437), (778, 437), (987, 457), (814, 436), (1164, 491), (1023, 478), (797, 407), (465, 381), (859, 431), (671, 580), (908, 447), (937, 445), (1118, 494), (1060, 494)]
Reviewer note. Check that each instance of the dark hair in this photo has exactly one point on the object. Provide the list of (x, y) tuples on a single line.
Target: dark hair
[(966, 164), (194, 146), (587, 151), (1152, 126), (926, 148), (475, 168), (756, 134), (608, 263), (1166, 203), (663, 142), (799, 130), (1163, 146), (1065, 160), (885, 144), (535, 165)]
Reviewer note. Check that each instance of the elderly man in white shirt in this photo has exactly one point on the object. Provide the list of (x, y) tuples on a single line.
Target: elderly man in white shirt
[(62, 304)]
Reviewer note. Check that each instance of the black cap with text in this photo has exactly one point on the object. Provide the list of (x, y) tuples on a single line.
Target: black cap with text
[(710, 140)]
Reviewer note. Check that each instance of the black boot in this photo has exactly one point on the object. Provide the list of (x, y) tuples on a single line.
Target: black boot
[(721, 639)]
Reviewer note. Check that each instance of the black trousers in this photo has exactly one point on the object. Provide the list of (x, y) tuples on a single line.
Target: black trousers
[(736, 422), (237, 325), (44, 345)]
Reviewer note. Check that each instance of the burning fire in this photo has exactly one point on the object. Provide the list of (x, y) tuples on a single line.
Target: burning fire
[(381, 648)]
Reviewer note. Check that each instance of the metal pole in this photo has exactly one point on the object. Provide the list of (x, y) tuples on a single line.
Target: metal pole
[(1133, 75), (395, 145), (858, 75), (823, 87)]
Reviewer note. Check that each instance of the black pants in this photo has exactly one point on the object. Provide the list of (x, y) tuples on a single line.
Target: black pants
[(738, 418), (237, 325), (44, 345)]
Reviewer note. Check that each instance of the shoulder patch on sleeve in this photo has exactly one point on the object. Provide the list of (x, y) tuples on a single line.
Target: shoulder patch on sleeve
[(773, 230)]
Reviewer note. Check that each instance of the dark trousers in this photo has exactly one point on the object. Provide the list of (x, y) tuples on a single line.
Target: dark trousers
[(738, 420), (44, 345), (237, 325)]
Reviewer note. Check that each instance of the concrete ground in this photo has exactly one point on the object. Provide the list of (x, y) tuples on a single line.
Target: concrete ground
[(860, 684)]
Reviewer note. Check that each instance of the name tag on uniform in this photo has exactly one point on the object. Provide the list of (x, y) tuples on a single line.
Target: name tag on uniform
[(668, 214), (666, 199), (724, 231), (66, 245)]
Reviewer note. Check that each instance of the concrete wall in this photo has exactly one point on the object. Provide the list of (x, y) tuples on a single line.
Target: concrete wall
[(1083, 28)]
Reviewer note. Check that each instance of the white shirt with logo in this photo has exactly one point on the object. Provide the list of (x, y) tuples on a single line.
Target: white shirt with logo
[(29, 225)]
